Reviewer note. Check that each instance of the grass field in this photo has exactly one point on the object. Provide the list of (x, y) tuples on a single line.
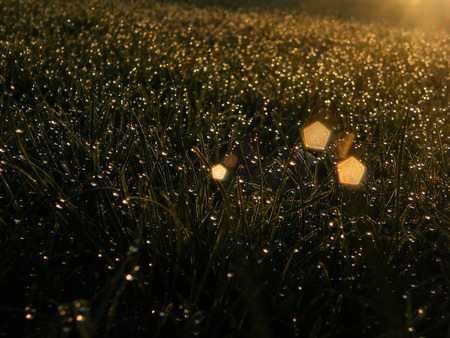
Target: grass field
[(111, 225)]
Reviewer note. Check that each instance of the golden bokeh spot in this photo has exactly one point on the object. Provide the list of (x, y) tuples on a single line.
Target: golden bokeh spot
[(316, 136), (218, 172), (351, 171)]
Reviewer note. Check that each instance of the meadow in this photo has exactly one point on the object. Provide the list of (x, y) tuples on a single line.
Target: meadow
[(111, 225)]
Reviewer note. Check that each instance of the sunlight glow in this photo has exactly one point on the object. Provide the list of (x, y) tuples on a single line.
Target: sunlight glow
[(350, 171), (316, 136)]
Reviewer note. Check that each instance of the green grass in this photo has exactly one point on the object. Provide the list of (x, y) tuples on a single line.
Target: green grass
[(111, 117)]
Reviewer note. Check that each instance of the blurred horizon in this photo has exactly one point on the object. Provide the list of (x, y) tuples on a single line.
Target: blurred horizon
[(432, 14)]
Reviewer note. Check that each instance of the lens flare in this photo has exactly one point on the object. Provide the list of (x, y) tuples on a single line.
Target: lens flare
[(230, 160), (343, 145), (350, 171), (218, 172), (316, 136)]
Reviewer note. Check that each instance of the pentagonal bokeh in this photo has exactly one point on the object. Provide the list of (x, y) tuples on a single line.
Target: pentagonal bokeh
[(218, 172), (351, 171), (316, 136)]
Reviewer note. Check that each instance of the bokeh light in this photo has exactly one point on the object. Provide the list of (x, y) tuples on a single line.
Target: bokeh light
[(351, 171), (230, 160), (316, 136), (218, 172)]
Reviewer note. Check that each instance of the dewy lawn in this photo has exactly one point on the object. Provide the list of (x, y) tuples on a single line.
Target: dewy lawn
[(116, 220)]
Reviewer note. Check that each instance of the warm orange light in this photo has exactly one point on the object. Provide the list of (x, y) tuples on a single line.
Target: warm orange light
[(316, 136), (218, 172), (351, 171)]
